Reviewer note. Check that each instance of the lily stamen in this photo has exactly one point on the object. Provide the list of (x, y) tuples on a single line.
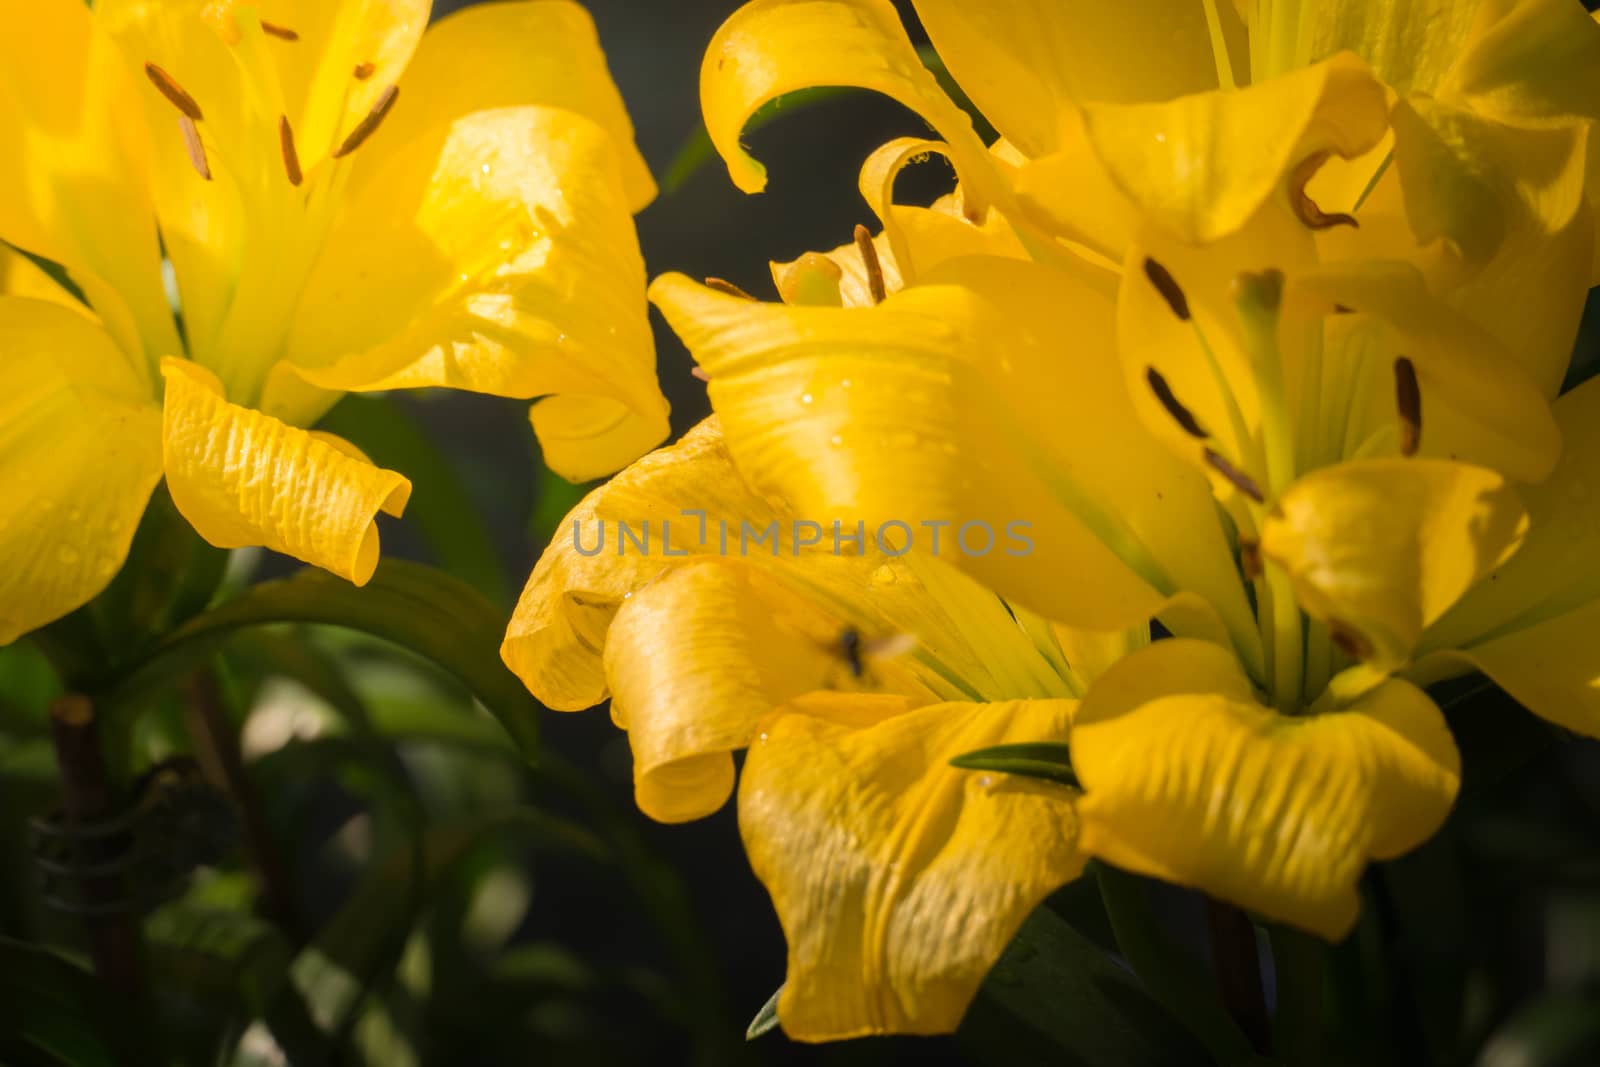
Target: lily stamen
[(1305, 207), (369, 124), (1241, 481), (364, 71), (1350, 641), (1168, 287), (723, 286), (1180, 414), (1250, 558), (1408, 400), (283, 33), (869, 260), (192, 145), (291, 158), (699, 374), (169, 88)]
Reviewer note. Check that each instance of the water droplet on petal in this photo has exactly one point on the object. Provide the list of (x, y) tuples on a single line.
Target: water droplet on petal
[(883, 575), (836, 440), (805, 398), (68, 555)]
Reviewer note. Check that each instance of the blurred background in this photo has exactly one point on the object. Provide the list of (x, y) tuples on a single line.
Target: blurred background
[(430, 898)]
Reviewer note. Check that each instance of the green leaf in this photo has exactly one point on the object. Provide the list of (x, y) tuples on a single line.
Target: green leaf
[(1050, 760), (55, 1013), (434, 615), (441, 509), (766, 1019), (698, 150), (1054, 997), (1174, 978)]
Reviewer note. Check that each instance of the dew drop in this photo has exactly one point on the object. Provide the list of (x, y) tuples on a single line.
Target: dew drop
[(845, 384), (68, 555), (883, 575), (836, 440), (805, 398), (485, 168), (986, 781)]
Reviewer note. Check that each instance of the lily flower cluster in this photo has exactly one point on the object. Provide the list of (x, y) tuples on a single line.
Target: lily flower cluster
[(250, 209), (1259, 314)]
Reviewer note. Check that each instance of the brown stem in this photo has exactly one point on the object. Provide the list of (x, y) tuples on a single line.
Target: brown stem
[(217, 747), (115, 940), (1238, 969)]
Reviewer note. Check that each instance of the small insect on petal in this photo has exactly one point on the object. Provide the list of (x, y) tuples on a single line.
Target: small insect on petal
[(727, 287), (1180, 414), (369, 124), (1306, 208), (1168, 287), (192, 145), (283, 33), (1408, 399), (291, 158), (169, 88), (364, 71), (869, 259)]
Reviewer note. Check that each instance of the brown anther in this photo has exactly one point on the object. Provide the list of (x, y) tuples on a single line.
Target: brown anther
[(169, 87), (1180, 414), (1305, 207), (1168, 287), (291, 158), (699, 373), (1350, 641), (369, 124), (282, 33), (1241, 481), (364, 71), (1340, 309), (192, 145), (1250, 558), (869, 260), (1408, 400), (723, 286)]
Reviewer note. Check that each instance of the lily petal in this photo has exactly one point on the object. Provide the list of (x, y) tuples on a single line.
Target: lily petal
[(244, 478), (771, 47), (899, 879), (1410, 45), (694, 660), (544, 53), (1380, 549), (80, 453), (1187, 777), (76, 187), (522, 277), (1533, 59), (1531, 627), (890, 413), (1480, 404), (1202, 165), (688, 502), (1022, 62)]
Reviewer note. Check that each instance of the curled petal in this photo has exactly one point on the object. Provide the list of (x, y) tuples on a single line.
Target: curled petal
[(244, 478), (1187, 778), (1202, 165), (771, 47), (898, 878), (694, 660)]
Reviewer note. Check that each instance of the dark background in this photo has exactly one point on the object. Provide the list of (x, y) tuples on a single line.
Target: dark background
[(708, 227)]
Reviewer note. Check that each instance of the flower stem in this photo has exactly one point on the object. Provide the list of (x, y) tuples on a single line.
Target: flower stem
[(115, 942), (1237, 966)]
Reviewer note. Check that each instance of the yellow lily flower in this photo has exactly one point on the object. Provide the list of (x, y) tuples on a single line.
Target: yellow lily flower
[(1343, 403), (342, 201), (704, 649)]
